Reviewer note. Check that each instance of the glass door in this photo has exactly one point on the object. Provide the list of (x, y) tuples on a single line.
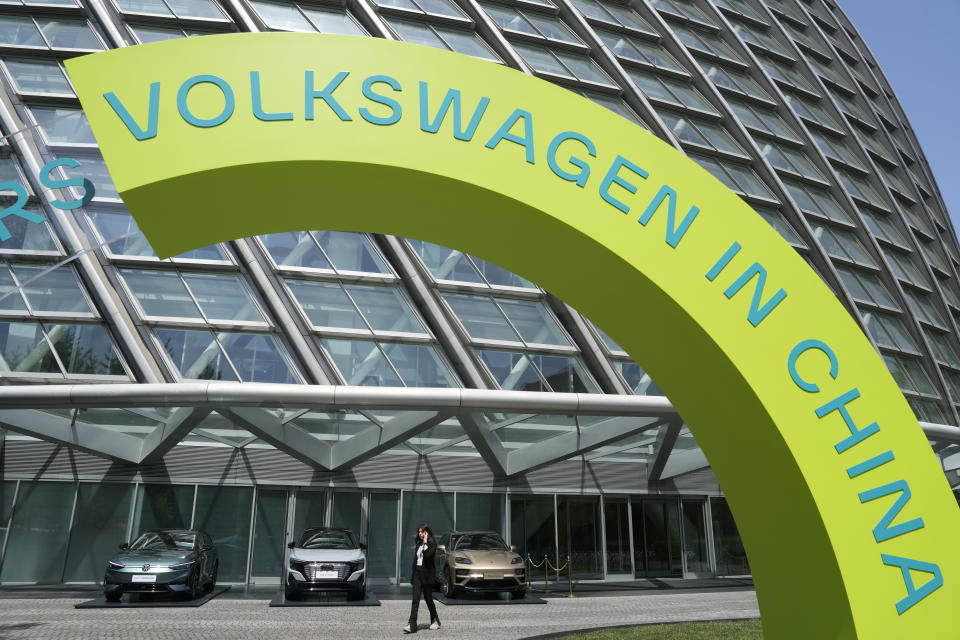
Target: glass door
[(657, 544), (269, 536), (617, 526), (696, 561), (579, 536)]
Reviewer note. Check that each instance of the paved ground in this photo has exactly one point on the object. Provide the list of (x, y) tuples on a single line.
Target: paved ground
[(242, 615)]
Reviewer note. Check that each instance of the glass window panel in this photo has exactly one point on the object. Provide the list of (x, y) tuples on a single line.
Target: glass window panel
[(385, 309), (877, 289), (223, 297), (736, 81), (541, 60), (23, 348), (883, 227), (682, 128), (467, 43), (160, 293), (614, 104), (480, 512), (162, 506), (326, 304), (28, 236), (351, 251), (689, 96), (57, 291), (480, 317), (257, 357), (512, 371), (195, 354), (10, 301), (533, 322), (333, 21), (146, 35), (63, 125), (435, 509), (583, 67), (196, 9), (269, 545), (552, 27), (38, 76), (281, 15), (628, 18), (100, 524), (419, 365), (748, 182), (114, 225), (37, 537), (650, 85), (853, 285), (441, 8), (718, 137), (361, 363), (509, 18), (85, 349), (95, 169), (69, 34), (382, 535), (904, 268), (294, 249), (498, 276), (444, 263), (564, 374), (20, 32), (224, 513), (942, 348), (777, 221), (921, 381), (922, 305), (156, 7), (593, 9), (310, 512)]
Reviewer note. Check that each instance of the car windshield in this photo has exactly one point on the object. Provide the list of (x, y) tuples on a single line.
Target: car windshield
[(327, 539), (481, 542), (163, 541)]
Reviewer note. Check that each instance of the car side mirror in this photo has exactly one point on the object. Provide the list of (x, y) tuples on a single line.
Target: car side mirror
[(206, 547), (441, 547), (124, 546), (513, 548), (291, 545)]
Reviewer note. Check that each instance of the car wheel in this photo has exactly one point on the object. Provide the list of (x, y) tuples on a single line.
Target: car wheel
[(213, 576), (113, 596), (193, 584), (449, 590)]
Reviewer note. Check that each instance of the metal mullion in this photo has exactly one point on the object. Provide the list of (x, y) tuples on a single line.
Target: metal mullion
[(132, 514), (66, 546), (633, 568), (251, 532), (393, 367), (193, 507), (9, 523)]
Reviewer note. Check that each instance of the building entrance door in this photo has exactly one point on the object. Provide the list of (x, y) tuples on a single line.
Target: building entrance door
[(696, 562), (617, 528), (267, 552), (578, 520), (656, 538)]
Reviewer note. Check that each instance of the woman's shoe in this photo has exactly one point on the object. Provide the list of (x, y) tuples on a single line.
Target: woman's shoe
[(409, 629), (434, 625)]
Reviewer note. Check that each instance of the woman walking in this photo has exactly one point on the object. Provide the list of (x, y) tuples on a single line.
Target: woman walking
[(423, 578)]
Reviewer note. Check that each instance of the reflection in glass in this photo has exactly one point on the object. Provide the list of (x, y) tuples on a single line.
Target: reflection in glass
[(224, 513), (38, 533), (85, 349), (195, 354), (100, 524), (257, 357)]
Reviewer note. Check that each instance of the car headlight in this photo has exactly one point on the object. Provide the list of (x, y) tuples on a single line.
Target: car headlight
[(115, 565), (516, 560), (360, 565), (182, 565), (462, 560)]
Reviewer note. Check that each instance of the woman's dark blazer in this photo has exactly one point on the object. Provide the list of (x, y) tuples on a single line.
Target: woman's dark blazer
[(427, 571)]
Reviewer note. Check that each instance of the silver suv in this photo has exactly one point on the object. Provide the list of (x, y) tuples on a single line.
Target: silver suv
[(326, 559)]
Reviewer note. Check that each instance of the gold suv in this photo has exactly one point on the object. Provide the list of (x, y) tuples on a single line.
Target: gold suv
[(479, 561)]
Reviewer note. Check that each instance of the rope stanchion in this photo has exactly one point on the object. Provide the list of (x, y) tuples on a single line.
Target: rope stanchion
[(546, 575), (568, 565), (530, 566)]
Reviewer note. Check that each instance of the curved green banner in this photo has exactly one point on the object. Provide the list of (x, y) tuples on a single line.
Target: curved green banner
[(848, 519)]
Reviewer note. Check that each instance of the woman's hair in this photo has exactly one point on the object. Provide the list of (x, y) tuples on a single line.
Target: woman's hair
[(424, 527)]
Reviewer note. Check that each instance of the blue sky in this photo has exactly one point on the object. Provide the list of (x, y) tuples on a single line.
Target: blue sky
[(917, 46)]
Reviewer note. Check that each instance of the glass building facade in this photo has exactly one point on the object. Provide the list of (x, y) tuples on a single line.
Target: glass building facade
[(400, 382)]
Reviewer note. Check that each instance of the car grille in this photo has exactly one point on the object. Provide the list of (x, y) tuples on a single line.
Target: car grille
[(310, 569)]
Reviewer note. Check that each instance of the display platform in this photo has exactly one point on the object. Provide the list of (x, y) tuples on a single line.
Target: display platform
[(325, 600), (487, 598), (137, 600)]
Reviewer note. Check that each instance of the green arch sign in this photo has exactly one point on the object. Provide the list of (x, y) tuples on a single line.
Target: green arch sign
[(848, 519)]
